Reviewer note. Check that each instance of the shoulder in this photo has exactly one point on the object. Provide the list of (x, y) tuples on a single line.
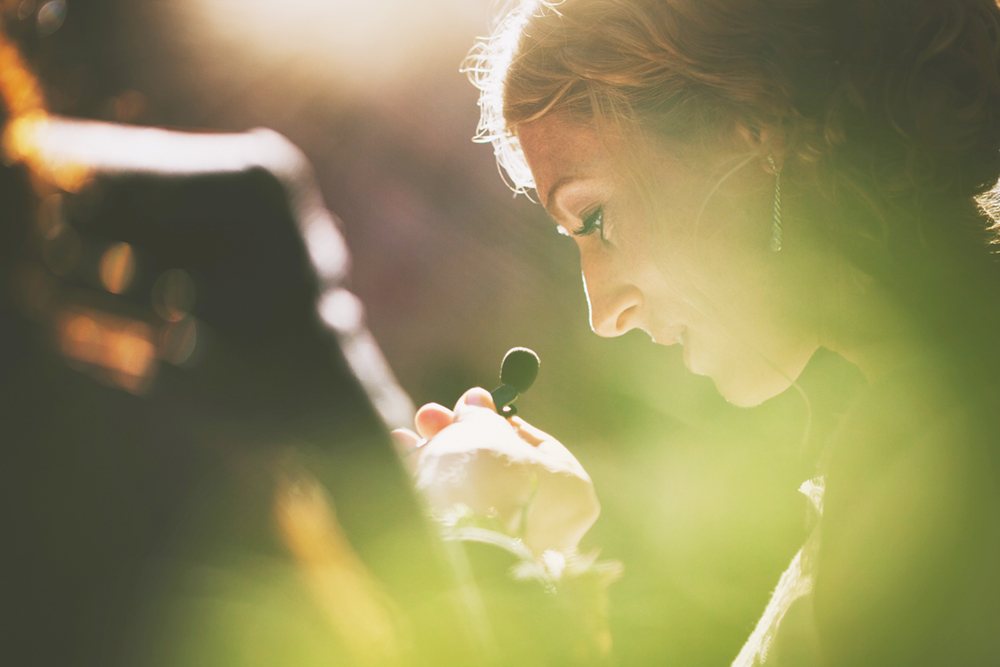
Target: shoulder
[(910, 502)]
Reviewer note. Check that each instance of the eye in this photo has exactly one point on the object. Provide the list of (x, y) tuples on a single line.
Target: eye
[(592, 222)]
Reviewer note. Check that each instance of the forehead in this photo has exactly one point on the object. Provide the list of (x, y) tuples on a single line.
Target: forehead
[(557, 149)]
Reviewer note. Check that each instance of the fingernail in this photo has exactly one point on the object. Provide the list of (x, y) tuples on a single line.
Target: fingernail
[(477, 399)]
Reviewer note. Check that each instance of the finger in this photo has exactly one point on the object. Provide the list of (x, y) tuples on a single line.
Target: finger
[(405, 441), (476, 398), (432, 418)]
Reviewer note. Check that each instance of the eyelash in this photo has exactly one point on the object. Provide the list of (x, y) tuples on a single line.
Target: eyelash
[(592, 222)]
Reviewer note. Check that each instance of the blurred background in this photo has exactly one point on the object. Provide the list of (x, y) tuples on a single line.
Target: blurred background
[(699, 498)]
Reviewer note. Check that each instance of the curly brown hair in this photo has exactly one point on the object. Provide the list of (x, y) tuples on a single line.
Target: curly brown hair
[(887, 111), (904, 94)]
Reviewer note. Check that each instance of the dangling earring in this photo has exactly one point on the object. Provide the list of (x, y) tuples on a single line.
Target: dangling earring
[(776, 222)]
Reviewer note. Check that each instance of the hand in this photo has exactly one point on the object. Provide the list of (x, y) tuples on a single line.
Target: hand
[(503, 468)]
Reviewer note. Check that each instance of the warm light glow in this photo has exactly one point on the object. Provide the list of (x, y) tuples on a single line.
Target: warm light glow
[(25, 103), (340, 583), (19, 138), (364, 44), (81, 337), (23, 141), (117, 268), (18, 87), (117, 350)]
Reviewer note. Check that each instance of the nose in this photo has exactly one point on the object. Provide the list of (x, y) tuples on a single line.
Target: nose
[(615, 303)]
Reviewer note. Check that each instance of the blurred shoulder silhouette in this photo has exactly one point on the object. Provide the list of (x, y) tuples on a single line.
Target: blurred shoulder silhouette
[(193, 411)]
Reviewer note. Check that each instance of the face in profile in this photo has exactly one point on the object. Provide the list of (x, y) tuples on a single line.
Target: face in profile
[(674, 240)]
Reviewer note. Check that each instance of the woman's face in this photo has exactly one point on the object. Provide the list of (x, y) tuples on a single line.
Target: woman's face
[(674, 240)]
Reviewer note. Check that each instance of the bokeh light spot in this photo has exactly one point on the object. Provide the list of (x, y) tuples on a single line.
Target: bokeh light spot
[(51, 17), (174, 295), (342, 311), (25, 9), (117, 268), (115, 350), (178, 341), (80, 336), (133, 351)]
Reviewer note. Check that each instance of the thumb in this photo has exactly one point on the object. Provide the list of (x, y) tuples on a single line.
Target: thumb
[(475, 399)]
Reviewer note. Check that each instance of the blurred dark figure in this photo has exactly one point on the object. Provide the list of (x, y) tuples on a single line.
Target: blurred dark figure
[(193, 414), (187, 393)]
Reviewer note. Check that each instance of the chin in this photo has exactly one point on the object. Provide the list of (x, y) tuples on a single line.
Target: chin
[(748, 384), (747, 393), (748, 380)]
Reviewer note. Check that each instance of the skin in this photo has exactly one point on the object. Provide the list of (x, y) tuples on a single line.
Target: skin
[(506, 465), (689, 263), (683, 253)]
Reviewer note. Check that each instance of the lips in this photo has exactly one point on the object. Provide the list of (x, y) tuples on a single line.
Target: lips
[(672, 336)]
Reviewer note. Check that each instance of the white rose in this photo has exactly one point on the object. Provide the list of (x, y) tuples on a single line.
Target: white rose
[(502, 468)]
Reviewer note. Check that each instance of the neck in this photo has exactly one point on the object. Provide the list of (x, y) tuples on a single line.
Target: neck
[(880, 353), (919, 302)]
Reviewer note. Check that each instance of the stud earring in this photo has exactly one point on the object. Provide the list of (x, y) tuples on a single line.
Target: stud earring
[(776, 221)]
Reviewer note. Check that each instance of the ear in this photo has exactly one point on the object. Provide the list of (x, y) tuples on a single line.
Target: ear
[(765, 140)]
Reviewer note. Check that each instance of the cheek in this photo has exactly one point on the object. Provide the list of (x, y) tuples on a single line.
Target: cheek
[(638, 238), (718, 260), (714, 226), (718, 276)]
